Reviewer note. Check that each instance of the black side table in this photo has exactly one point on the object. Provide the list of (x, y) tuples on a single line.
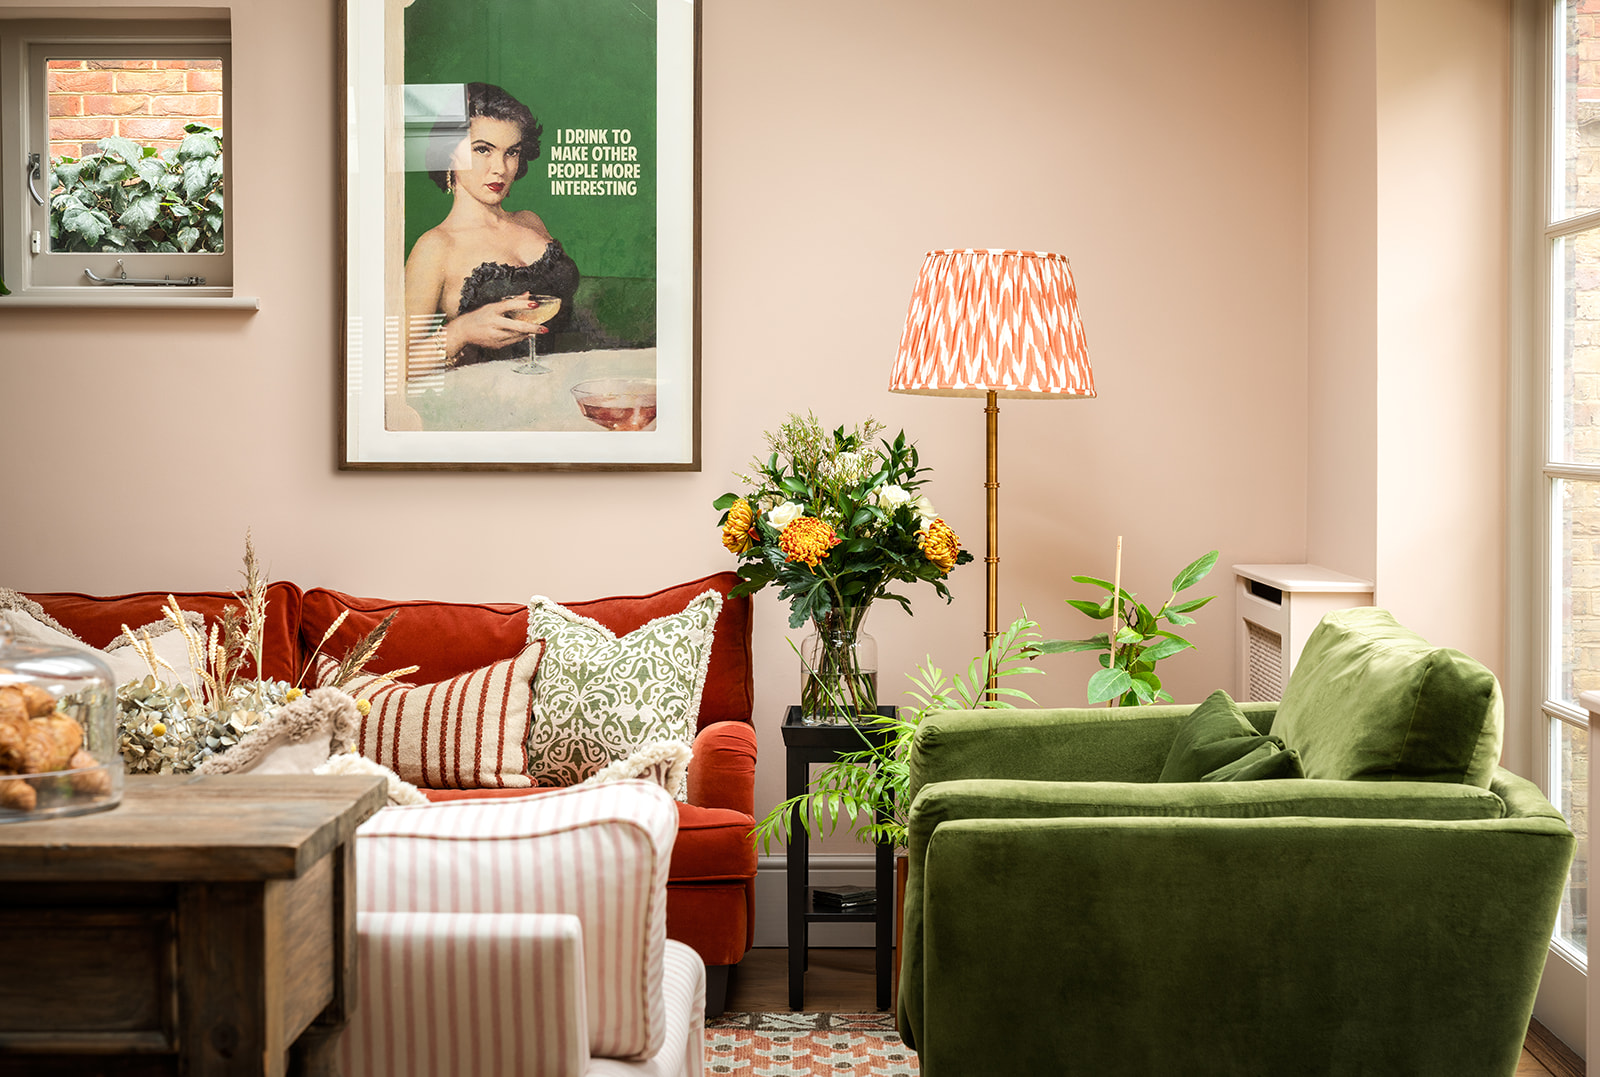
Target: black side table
[(804, 745)]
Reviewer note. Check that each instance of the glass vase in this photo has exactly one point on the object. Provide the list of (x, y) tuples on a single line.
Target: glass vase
[(839, 668)]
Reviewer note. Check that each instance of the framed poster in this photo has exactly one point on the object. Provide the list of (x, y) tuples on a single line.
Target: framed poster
[(521, 235)]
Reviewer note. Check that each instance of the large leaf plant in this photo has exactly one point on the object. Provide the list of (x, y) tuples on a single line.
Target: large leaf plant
[(1127, 676), (134, 198)]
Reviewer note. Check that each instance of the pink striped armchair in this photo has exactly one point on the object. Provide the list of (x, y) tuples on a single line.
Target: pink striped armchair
[(523, 936)]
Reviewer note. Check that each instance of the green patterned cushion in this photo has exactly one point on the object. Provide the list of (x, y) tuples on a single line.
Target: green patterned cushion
[(597, 698)]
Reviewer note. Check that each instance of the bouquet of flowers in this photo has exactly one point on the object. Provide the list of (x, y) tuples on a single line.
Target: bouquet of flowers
[(835, 520)]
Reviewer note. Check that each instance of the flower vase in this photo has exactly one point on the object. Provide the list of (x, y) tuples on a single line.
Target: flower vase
[(839, 668)]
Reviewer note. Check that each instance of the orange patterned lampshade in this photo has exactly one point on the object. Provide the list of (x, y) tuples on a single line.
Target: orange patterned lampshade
[(1004, 322)]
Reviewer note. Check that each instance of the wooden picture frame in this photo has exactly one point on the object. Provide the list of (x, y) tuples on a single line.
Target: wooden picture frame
[(503, 158)]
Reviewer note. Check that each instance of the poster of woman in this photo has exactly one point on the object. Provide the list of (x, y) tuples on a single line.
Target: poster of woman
[(537, 252)]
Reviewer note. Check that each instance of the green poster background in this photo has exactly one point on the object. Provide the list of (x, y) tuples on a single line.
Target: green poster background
[(575, 64)]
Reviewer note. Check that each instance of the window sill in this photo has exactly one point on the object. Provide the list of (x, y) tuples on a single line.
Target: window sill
[(82, 299)]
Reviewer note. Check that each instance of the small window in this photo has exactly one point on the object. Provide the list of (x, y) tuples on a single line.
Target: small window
[(121, 154)]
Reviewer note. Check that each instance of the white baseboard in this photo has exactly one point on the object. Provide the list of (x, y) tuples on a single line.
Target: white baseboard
[(772, 898)]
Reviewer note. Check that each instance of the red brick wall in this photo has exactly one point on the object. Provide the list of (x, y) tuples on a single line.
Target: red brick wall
[(148, 101)]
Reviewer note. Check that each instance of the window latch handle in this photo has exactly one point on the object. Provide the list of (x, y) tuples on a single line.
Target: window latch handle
[(123, 278), (33, 174)]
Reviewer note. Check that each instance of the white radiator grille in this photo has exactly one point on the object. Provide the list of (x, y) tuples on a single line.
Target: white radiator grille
[(1265, 664)]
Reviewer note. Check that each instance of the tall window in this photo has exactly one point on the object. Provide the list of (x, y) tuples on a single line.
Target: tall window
[(1569, 479), (117, 161)]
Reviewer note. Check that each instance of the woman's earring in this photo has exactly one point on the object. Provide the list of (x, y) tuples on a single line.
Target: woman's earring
[(450, 182)]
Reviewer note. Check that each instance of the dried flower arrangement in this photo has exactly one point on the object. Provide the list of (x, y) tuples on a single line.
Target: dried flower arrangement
[(169, 727)]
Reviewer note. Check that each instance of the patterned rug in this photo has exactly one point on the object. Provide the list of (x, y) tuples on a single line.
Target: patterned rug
[(806, 1045)]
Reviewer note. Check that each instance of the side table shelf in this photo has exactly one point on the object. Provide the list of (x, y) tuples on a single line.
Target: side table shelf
[(803, 746)]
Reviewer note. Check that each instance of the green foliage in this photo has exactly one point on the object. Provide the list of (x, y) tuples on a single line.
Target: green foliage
[(868, 494), (1128, 665), (872, 784), (132, 198)]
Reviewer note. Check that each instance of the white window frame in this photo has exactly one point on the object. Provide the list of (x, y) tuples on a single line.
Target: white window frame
[(1533, 527), (50, 278)]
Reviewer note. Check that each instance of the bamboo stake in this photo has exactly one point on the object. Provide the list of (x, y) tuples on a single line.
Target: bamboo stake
[(1116, 594)]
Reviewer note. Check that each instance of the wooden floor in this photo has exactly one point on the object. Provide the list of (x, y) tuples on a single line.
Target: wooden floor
[(838, 981), (841, 981)]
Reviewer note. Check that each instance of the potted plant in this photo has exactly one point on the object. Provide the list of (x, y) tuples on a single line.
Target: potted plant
[(1127, 676)]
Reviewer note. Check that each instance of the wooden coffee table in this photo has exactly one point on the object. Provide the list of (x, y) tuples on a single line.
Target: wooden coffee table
[(204, 926)]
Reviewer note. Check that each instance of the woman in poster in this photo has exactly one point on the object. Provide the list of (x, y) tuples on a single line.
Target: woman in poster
[(470, 280)]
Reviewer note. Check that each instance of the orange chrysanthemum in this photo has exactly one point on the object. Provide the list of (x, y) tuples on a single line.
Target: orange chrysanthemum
[(807, 540), (739, 533), (940, 544)]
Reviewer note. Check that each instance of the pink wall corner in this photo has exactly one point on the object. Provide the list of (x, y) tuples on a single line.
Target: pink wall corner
[(1444, 136), (1408, 345), (1341, 428)]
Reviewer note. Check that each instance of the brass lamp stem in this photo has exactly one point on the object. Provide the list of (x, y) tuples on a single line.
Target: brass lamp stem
[(991, 559)]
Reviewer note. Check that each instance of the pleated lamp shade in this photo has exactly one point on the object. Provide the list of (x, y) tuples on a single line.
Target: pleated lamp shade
[(1004, 322)]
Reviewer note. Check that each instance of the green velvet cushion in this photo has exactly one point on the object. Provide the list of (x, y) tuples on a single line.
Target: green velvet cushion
[(1214, 735), (1372, 700), (1270, 760)]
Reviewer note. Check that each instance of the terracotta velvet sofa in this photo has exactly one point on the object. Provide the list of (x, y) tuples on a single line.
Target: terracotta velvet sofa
[(711, 885)]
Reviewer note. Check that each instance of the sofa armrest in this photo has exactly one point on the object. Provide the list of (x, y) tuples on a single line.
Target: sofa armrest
[(1063, 744), (1123, 744), (600, 854), (508, 987), (722, 773)]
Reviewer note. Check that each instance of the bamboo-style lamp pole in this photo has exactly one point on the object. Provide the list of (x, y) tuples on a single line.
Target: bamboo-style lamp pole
[(993, 323)]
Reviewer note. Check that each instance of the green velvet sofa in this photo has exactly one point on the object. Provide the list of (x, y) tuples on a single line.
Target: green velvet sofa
[(1067, 912)]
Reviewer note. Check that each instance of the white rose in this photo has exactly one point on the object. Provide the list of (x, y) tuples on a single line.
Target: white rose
[(924, 510), (890, 497), (785, 514)]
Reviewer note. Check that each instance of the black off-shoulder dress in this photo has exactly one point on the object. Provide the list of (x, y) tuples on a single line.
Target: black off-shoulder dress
[(555, 273)]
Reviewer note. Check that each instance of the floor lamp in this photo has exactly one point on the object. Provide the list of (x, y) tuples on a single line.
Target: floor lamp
[(993, 324)]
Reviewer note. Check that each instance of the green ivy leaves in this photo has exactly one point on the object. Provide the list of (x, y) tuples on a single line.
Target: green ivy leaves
[(132, 198)]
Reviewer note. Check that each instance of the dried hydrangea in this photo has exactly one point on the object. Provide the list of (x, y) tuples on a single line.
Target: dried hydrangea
[(163, 729), (156, 731)]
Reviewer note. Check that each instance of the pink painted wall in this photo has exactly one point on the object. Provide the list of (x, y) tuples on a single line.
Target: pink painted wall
[(1444, 130), (1342, 371), (1409, 194), (1163, 147)]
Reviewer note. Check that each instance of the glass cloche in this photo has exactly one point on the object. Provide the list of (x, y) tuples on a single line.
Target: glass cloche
[(58, 732)]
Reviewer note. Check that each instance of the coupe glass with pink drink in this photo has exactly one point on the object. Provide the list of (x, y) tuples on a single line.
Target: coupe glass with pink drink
[(549, 306)]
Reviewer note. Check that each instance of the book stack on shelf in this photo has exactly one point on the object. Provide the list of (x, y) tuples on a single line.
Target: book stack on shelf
[(843, 898)]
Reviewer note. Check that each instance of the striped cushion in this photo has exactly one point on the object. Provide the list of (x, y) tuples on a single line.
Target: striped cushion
[(469, 732), (600, 854)]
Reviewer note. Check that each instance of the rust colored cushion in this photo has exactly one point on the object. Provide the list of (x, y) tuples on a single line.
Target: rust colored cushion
[(445, 639), (713, 843), (98, 619)]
